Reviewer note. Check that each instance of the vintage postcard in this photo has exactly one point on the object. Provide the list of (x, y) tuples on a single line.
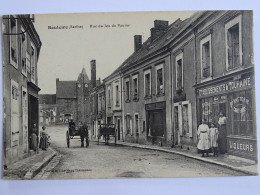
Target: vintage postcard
[(129, 95)]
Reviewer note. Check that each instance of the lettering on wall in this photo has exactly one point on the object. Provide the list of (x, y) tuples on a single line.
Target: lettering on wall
[(231, 85)]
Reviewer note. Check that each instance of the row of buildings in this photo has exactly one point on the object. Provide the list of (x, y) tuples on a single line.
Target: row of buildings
[(184, 72), (21, 49)]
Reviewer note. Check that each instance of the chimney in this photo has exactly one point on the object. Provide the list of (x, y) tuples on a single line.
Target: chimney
[(93, 72), (160, 27), (137, 42)]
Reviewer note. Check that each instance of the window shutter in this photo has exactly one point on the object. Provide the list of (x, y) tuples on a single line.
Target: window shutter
[(131, 124), (180, 119), (190, 119)]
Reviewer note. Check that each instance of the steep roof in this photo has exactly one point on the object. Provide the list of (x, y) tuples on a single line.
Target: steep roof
[(149, 48), (66, 89), (83, 76), (47, 98)]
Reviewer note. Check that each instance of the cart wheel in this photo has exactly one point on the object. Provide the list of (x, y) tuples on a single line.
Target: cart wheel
[(68, 139)]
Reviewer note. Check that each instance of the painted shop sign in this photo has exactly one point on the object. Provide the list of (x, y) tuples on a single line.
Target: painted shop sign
[(242, 146), (239, 104), (228, 86)]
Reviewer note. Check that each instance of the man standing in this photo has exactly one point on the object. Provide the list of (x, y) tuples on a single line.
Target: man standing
[(84, 134)]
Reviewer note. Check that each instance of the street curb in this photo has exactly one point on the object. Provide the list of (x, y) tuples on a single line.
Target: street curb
[(39, 166), (190, 156)]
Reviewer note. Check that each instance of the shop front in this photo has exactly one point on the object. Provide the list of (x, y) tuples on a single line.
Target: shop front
[(156, 122), (229, 103)]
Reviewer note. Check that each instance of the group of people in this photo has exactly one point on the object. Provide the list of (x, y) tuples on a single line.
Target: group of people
[(213, 138), (44, 138)]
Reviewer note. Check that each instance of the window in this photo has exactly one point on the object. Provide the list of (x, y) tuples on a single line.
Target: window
[(135, 87), (136, 124), (241, 113), (23, 52), (128, 124), (127, 90), (205, 50), (147, 83), (13, 42), (233, 43), (117, 95), (33, 63), (179, 72), (109, 96), (159, 79)]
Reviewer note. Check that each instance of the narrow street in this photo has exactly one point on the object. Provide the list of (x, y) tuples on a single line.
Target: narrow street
[(101, 161)]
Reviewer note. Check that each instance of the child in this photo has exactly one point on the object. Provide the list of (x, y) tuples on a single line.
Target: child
[(213, 137)]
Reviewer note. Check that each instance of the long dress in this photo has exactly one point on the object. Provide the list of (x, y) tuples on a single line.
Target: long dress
[(44, 140), (203, 136), (213, 134), (222, 135), (34, 139)]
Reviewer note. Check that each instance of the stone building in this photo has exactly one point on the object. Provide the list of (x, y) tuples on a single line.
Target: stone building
[(72, 98), (48, 110), (21, 50), (225, 80)]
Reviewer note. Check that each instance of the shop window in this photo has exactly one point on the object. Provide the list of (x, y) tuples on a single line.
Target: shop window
[(127, 90), (205, 49), (179, 72), (233, 43), (241, 113), (135, 87), (13, 42), (159, 79), (147, 83)]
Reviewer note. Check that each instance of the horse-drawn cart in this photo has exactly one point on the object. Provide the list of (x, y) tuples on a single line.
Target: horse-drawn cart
[(107, 130), (74, 131)]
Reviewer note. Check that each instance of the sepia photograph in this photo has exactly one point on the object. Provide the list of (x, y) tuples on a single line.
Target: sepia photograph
[(105, 95)]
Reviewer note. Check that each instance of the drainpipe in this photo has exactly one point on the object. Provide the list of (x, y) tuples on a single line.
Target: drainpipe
[(196, 71), (122, 106)]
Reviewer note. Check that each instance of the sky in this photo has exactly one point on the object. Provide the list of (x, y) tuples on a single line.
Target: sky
[(65, 52)]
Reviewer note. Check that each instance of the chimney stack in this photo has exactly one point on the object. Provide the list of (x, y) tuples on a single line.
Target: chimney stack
[(160, 27), (93, 72), (137, 42)]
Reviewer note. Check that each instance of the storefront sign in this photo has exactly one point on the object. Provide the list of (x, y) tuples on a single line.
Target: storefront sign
[(241, 146), (245, 148), (228, 86)]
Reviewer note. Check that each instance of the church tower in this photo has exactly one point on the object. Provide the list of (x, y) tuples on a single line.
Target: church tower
[(83, 96)]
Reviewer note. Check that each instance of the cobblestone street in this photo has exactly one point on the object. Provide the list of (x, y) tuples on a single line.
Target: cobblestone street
[(101, 161)]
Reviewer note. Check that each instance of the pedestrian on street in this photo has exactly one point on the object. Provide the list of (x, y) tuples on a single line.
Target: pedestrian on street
[(203, 137), (84, 134), (34, 137), (222, 133), (43, 138), (213, 134)]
